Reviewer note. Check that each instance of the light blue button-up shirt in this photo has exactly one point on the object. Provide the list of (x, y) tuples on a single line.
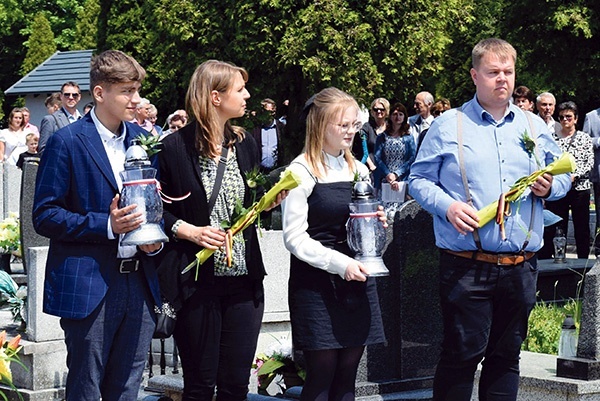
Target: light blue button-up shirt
[(494, 158)]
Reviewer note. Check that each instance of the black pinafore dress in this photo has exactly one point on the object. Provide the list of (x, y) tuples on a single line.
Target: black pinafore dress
[(327, 312)]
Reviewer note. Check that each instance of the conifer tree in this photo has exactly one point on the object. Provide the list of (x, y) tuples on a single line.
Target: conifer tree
[(40, 44), (87, 26)]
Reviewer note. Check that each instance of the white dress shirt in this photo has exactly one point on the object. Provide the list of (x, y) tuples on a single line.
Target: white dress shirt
[(115, 150), (269, 146), (295, 214)]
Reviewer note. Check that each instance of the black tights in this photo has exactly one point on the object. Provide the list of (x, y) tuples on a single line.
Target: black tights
[(331, 374)]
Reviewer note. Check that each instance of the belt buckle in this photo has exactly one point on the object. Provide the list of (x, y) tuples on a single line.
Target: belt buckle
[(128, 265)]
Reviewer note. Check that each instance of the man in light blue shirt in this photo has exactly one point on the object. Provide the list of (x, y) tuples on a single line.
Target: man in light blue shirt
[(488, 280)]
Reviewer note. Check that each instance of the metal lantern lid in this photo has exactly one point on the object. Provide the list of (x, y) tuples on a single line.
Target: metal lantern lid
[(569, 323), (362, 190), (136, 156)]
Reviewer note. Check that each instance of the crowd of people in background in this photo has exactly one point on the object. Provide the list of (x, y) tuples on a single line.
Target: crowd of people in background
[(390, 163), (223, 310)]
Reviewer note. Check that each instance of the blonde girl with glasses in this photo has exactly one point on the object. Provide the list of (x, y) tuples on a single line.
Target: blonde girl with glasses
[(334, 309)]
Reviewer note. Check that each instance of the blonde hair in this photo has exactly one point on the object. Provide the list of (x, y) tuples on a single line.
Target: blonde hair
[(384, 102), (210, 76), (500, 48), (328, 105)]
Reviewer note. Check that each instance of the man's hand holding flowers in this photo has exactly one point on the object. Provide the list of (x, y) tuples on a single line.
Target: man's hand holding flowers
[(542, 186)]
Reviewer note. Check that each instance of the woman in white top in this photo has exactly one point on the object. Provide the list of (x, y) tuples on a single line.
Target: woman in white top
[(334, 309), (12, 137)]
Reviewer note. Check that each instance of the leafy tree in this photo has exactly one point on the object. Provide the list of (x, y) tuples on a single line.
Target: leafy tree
[(12, 20), (16, 27), (40, 44), (87, 26), (62, 15), (559, 46), (454, 81)]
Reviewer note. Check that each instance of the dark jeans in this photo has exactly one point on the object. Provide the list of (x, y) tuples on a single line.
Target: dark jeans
[(216, 332), (485, 309), (578, 202), (107, 350)]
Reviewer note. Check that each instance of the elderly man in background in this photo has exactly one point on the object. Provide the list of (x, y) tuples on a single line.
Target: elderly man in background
[(420, 122), (545, 103)]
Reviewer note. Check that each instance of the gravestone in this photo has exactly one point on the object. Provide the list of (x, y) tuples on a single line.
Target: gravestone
[(41, 327), (42, 377), (29, 238), (410, 309), (10, 185), (586, 365)]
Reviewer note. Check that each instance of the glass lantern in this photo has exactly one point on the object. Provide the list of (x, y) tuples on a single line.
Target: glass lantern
[(140, 188), (560, 246), (365, 232)]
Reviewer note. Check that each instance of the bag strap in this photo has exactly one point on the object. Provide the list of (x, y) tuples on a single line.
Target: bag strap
[(218, 179)]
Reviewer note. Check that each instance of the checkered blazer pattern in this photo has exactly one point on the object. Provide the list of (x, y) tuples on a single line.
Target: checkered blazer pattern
[(74, 189)]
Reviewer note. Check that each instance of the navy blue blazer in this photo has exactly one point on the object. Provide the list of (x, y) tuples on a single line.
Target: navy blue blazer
[(74, 188)]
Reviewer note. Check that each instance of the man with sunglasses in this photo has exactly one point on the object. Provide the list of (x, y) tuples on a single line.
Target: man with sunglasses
[(70, 95)]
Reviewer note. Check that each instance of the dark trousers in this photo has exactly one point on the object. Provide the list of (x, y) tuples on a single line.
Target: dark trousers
[(578, 202), (485, 309), (107, 351), (216, 332)]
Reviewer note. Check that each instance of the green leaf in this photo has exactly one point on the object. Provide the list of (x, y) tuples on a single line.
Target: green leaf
[(270, 366)]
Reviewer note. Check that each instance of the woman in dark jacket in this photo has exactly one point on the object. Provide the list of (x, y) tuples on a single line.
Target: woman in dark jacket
[(220, 311)]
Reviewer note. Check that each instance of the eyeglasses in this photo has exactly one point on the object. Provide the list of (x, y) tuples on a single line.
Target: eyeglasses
[(346, 127), (378, 110), (567, 117), (71, 95)]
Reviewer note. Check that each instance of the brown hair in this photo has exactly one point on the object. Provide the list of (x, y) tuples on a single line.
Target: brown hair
[(113, 67), (12, 114), (53, 100), (212, 75), (405, 126), (523, 91)]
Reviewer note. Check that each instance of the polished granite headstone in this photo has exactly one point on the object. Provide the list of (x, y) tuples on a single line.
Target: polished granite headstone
[(29, 238), (586, 365), (410, 309)]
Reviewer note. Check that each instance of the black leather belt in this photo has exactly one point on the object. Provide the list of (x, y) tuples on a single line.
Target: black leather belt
[(128, 265)]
